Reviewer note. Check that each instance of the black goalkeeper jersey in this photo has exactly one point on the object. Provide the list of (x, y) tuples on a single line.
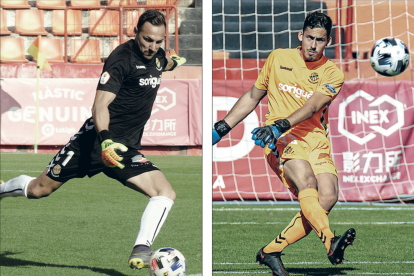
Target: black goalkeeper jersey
[(135, 82)]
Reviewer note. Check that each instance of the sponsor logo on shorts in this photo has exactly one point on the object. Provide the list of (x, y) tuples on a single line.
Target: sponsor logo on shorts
[(56, 170), (139, 159), (324, 162), (313, 78), (105, 77)]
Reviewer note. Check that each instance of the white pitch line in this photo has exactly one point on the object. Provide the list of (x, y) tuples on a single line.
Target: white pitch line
[(339, 223), (323, 263), (42, 171), (312, 273), (408, 208)]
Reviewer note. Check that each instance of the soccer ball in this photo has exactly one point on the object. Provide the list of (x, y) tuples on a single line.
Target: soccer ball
[(167, 262), (389, 56)]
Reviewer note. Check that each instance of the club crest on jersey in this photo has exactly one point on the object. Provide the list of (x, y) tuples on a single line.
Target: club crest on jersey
[(313, 78), (56, 170), (158, 63)]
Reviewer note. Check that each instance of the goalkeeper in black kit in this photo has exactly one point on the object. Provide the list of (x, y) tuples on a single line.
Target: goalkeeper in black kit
[(109, 141)]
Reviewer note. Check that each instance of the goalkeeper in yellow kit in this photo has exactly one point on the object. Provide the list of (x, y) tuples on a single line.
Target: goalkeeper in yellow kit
[(109, 141), (300, 83)]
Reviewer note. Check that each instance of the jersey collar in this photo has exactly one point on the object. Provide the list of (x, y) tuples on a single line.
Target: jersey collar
[(311, 65)]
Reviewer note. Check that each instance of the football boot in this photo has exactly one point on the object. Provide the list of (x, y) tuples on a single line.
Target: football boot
[(338, 246), (140, 257), (273, 261)]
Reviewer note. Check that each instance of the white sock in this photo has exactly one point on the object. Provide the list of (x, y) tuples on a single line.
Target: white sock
[(16, 186), (153, 218)]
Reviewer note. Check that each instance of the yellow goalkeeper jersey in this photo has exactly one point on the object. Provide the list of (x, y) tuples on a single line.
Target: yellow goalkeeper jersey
[(290, 81)]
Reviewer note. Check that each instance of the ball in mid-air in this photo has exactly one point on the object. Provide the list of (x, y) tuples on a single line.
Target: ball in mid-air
[(389, 56), (167, 261)]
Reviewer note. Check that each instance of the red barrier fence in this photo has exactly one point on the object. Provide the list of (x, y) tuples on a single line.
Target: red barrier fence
[(371, 134), (66, 103)]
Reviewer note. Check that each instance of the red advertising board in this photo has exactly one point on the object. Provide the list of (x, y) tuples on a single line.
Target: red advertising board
[(64, 104), (372, 141)]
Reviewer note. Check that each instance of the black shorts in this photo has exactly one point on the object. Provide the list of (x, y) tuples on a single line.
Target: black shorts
[(82, 156)]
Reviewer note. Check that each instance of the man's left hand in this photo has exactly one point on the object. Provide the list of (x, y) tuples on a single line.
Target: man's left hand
[(268, 135), (178, 61)]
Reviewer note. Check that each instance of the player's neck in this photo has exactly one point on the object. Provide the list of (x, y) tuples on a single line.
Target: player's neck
[(303, 57)]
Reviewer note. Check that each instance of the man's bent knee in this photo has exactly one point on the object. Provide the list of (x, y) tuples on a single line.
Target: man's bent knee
[(327, 200), (41, 187), (170, 194), (152, 184)]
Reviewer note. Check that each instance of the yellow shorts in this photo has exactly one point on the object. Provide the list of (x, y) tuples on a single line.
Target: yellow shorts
[(314, 148)]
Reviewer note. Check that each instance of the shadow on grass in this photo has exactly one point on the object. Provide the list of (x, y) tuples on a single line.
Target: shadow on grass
[(7, 261), (293, 271)]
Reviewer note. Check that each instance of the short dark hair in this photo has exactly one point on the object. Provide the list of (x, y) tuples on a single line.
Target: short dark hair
[(152, 16), (318, 20)]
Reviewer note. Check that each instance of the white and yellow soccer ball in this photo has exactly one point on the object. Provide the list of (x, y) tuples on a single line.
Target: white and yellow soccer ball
[(167, 261), (389, 56)]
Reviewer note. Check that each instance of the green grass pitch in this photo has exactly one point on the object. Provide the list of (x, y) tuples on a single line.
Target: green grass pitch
[(383, 244), (89, 225)]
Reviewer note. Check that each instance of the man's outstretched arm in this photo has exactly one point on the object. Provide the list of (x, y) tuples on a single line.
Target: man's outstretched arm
[(243, 107)]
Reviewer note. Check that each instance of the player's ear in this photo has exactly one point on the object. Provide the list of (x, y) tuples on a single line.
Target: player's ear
[(135, 30), (300, 35), (329, 42)]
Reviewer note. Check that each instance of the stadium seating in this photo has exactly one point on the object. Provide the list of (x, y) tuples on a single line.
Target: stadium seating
[(3, 24), (52, 48), (30, 22), (114, 44), (12, 50), (85, 51), (157, 2), (74, 22), (51, 4), (104, 22), (124, 3), (85, 2), (14, 4), (132, 20)]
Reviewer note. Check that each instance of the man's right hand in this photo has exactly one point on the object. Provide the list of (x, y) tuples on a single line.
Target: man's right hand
[(109, 157), (221, 128)]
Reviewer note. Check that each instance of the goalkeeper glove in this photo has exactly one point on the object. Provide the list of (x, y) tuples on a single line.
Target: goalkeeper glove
[(178, 61), (221, 128), (109, 157), (268, 135)]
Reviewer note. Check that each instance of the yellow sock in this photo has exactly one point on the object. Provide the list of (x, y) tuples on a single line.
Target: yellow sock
[(316, 215), (297, 228)]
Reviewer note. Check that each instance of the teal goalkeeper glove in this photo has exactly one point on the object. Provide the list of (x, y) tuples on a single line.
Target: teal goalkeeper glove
[(109, 157), (268, 135), (178, 61)]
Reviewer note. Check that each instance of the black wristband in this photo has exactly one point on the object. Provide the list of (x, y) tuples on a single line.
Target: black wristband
[(282, 125), (175, 64), (222, 128), (104, 135)]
